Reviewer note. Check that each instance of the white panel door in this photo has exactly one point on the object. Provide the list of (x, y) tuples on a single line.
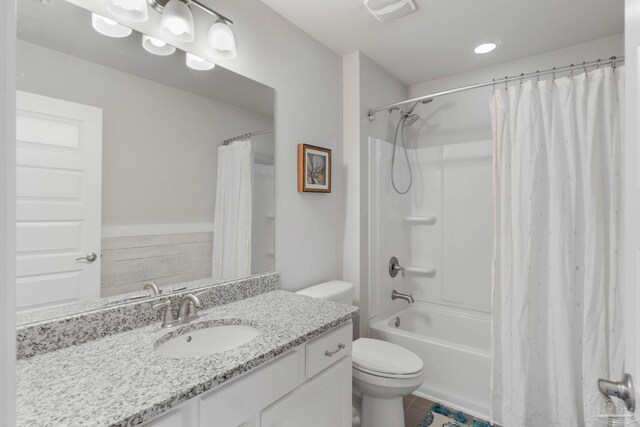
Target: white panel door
[(58, 200)]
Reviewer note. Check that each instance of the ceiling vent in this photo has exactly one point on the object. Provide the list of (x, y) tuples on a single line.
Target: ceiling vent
[(388, 10)]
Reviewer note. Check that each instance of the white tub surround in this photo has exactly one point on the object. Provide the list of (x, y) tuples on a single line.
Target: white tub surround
[(121, 380), (455, 347)]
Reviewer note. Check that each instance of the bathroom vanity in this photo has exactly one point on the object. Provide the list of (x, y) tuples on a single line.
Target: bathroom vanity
[(296, 371), (309, 385)]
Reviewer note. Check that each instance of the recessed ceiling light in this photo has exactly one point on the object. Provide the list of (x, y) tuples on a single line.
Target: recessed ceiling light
[(485, 48)]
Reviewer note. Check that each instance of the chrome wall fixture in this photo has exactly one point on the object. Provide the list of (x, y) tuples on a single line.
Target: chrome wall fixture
[(177, 25)]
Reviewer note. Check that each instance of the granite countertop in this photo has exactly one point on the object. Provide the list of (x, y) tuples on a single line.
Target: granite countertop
[(120, 380)]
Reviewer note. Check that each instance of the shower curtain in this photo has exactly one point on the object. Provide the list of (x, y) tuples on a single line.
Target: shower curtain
[(232, 220), (556, 301)]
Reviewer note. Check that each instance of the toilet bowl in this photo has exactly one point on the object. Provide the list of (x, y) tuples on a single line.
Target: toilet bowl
[(382, 372)]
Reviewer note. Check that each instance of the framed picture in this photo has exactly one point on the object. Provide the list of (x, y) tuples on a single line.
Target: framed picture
[(314, 169)]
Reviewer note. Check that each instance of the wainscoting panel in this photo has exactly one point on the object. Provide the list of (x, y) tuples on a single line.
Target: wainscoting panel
[(129, 262)]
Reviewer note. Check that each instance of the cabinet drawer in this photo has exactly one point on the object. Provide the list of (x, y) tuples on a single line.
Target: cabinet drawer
[(328, 349)]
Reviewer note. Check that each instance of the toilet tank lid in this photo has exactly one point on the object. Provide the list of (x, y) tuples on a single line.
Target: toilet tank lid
[(333, 290)]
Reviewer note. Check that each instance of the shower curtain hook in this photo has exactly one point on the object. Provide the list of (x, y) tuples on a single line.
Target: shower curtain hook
[(554, 74), (506, 81), (584, 66), (521, 79), (537, 75), (598, 67), (494, 84), (571, 72), (613, 62)]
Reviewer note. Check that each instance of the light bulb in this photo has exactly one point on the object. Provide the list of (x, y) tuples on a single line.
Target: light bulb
[(177, 21), (129, 10), (196, 63), (156, 46), (109, 27), (221, 42)]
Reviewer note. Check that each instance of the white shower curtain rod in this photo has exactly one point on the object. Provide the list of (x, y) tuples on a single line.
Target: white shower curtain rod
[(246, 135), (613, 61)]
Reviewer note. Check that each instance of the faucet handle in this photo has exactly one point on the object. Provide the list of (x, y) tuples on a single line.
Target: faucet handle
[(167, 317), (161, 305), (394, 267), (153, 287)]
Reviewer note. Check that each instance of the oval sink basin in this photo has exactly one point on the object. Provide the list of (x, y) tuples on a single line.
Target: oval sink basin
[(206, 341)]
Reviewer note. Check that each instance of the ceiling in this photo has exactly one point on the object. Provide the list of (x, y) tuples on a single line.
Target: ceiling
[(64, 27), (438, 39)]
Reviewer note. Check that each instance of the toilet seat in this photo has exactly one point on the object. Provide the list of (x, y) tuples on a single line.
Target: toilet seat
[(384, 359), (386, 375)]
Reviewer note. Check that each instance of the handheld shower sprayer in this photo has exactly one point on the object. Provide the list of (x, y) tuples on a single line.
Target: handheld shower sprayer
[(407, 118)]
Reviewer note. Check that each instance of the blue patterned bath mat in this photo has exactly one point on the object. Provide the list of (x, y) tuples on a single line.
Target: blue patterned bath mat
[(454, 418)]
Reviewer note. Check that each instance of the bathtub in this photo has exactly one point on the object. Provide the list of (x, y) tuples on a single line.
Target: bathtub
[(455, 346)]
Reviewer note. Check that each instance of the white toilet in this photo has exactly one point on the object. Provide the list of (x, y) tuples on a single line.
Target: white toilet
[(382, 372)]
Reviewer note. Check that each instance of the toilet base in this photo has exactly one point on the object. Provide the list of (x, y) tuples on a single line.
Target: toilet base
[(379, 412)]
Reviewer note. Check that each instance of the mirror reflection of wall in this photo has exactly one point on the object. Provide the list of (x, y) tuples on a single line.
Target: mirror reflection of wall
[(101, 116)]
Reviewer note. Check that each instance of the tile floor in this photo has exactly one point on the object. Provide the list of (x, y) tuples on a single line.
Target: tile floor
[(415, 409)]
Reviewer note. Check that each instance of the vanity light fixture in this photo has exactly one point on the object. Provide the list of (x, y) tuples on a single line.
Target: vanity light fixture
[(221, 42), (109, 27), (196, 63), (156, 46), (485, 48), (129, 10), (177, 21)]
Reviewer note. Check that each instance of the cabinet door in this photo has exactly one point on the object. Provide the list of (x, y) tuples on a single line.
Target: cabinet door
[(323, 401)]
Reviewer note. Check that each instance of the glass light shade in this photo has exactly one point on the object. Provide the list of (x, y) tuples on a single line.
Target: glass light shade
[(221, 43), (129, 10), (156, 46), (196, 63), (109, 27), (177, 21)]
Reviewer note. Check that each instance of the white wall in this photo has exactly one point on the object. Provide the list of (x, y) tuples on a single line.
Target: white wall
[(365, 83), (7, 214), (307, 78), (157, 140)]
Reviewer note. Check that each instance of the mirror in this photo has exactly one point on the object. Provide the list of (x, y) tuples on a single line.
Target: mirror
[(122, 175)]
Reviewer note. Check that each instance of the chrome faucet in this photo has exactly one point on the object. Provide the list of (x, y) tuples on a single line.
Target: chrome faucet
[(153, 287), (186, 313), (398, 295)]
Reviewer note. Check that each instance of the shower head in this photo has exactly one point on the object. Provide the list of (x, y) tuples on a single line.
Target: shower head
[(415, 104), (408, 116), (410, 119)]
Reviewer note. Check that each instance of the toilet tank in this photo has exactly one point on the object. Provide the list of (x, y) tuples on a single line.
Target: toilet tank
[(335, 290)]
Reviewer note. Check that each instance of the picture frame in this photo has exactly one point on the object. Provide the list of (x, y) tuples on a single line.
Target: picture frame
[(314, 169)]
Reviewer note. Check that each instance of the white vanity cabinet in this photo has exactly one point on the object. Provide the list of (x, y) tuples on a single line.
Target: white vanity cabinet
[(309, 385)]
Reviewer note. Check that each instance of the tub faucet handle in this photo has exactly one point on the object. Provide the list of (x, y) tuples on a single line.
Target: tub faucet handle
[(395, 267)]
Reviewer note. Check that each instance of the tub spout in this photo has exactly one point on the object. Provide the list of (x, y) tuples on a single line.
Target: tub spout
[(398, 295)]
